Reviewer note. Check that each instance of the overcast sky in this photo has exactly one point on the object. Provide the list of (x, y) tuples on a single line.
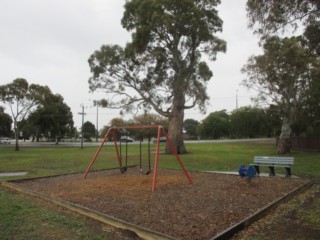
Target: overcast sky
[(49, 42)]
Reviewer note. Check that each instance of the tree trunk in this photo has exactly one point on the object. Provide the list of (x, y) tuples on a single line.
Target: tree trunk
[(16, 134), (175, 132), (37, 136), (285, 142)]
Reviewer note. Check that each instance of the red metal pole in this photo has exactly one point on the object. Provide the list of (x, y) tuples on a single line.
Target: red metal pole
[(177, 156), (154, 179), (116, 147), (96, 154), (135, 127)]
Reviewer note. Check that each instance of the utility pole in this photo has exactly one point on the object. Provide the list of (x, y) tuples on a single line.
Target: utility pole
[(237, 99), (97, 133), (82, 113)]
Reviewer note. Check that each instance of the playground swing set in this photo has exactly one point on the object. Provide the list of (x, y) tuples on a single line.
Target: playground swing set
[(123, 168)]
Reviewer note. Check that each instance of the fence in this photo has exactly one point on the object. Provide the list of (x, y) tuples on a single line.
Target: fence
[(306, 143)]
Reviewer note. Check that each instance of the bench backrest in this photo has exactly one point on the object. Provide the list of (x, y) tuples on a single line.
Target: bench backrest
[(273, 160)]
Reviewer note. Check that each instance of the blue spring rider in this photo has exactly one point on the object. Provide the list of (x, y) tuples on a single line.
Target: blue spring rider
[(248, 173)]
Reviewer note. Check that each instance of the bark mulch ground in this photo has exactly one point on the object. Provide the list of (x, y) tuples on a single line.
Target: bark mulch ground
[(211, 204)]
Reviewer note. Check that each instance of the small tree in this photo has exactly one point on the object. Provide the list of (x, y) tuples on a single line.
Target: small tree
[(5, 123), (89, 130), (148, 119), (21, 98), (215, 126), (191, 128), (248, 122), (53, 117)]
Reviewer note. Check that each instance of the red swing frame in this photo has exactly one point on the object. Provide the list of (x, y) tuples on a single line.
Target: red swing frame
[(161, 130)]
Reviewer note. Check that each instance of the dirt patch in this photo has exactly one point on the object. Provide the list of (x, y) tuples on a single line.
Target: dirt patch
[(200, 210)]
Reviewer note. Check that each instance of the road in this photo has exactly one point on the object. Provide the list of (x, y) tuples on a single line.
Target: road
[(88, 144)]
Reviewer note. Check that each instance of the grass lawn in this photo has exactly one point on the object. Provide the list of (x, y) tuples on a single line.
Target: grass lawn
[(17, 209), (23, 217), (203, 156)]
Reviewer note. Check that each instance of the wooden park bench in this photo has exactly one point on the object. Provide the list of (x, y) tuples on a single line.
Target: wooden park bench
[(272, 162)]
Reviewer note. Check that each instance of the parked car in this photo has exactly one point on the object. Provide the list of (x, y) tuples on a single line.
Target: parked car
[(126, 139), (5, 141), (162, 139)]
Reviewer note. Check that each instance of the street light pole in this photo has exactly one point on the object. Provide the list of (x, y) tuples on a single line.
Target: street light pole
[(237, 99), (82, 113), (97, 133)]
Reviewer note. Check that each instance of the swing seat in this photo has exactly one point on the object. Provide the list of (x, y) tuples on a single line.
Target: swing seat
[(147, 173)]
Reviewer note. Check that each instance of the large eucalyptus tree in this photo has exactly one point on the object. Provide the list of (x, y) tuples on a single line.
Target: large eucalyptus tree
[(269, 18), (163, 66), (283, 75)]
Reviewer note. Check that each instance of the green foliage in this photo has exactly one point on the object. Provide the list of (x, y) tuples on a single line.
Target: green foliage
[(149, 119), (27, 129), (145, 120), (274, 121), (311, 112), (249, 122), (15, 91), (88, 130), (245, 122), (170, 44), (191, 128), (101, 103), (18, 97), (52, 118), (216, 125), (139, 120), (268, 17), (283, 76), (162, 67), (311, 37), (5, 123), (21, 97)]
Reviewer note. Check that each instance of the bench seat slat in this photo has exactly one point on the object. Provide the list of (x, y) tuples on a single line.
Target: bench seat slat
[(274, 160)]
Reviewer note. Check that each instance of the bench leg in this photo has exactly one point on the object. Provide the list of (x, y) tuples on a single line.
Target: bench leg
[(271, 171), (288, 171), (257, 168)]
